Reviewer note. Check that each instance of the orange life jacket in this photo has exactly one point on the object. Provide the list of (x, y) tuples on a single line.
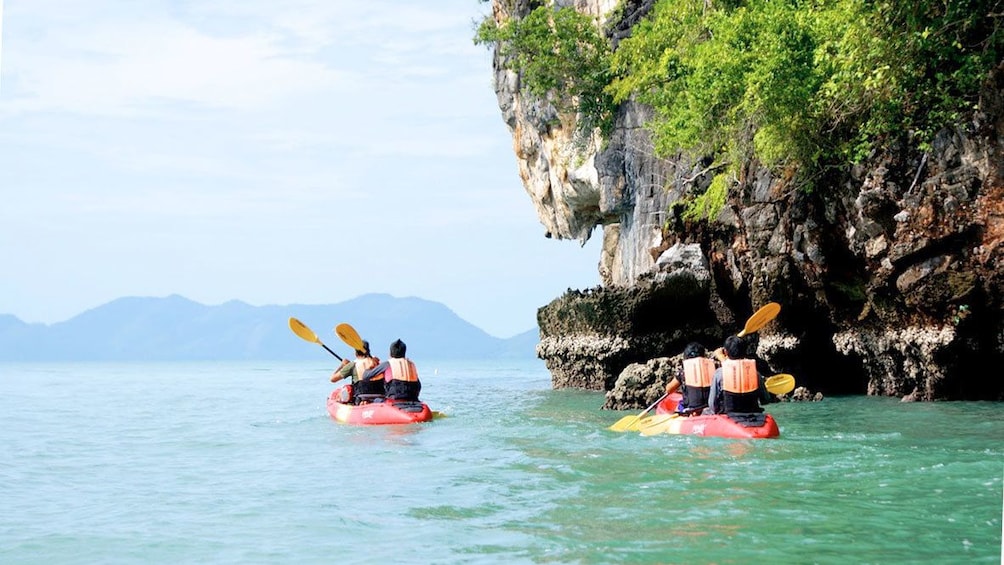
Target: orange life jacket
[(697, 376), (739, 376), (697, 372), (403, 369)]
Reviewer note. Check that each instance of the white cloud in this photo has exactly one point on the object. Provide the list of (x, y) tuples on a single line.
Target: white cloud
[(139, 68)]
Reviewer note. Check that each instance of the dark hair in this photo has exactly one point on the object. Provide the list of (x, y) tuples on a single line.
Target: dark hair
[(365, 351), (398, 348), (693, 349), (734, 347)]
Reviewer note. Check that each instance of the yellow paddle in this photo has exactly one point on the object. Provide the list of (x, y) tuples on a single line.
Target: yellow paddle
[(307, 334), (630, 423), (658, 424), (780, 384), (760, 318), (350, 336)]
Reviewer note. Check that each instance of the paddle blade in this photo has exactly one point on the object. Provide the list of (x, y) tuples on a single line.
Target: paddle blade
[(626, 424), (780, 384), (760, 318), (630, 423), (657, 424), (301, 330), (350, 336)]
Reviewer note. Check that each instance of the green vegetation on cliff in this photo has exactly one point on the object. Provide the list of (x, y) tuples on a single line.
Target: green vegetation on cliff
[(561, 56), (799, 85)]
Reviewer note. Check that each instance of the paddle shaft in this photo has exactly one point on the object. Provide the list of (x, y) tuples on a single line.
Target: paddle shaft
[(330, 351), (653, 405), (306, 334)]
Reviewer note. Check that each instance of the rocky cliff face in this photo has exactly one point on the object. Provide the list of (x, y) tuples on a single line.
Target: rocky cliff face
[(890, 276)]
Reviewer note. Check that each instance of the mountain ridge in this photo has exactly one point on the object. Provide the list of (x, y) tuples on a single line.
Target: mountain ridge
[(175, 328)]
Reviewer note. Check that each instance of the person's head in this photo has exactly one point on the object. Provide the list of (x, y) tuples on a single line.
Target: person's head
[(734, 347), (398, 348), (365, 351), (693, 350)]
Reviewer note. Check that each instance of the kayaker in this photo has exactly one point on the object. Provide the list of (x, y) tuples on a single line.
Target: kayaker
[(398, 373), (693, 380), (737, 387), (356, 369)]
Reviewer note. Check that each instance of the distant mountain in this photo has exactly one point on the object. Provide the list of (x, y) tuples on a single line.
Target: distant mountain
[(177, 329)]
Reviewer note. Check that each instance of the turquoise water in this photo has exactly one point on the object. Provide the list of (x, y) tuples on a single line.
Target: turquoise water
[(240, 463)]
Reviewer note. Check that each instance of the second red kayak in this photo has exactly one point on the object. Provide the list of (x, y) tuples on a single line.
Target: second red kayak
[(378, 413), (666, 421)]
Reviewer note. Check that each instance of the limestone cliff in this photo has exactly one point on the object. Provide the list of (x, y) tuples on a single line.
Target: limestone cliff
[(890, 277)]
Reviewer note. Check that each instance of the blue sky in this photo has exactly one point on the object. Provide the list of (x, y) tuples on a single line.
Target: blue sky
[(270, 152)]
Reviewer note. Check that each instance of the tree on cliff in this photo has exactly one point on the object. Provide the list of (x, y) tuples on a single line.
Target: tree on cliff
[(799, 86)]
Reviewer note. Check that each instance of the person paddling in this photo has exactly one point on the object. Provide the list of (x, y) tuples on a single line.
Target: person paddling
[(737, 387), (398, 373), (693, 380), (360, 388)]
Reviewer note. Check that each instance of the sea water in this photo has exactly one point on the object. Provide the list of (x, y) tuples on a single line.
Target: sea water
[(239, 463)]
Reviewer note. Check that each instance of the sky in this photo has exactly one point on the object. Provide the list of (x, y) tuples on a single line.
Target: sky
[(295, 152)]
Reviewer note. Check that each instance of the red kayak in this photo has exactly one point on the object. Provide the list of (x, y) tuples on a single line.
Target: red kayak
[(378, 413), (667, 421)]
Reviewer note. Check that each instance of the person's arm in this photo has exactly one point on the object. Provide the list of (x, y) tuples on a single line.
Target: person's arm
[(378, 370), (344, 370), (716, 389), (672, 385), (763, 367), (765, 396)]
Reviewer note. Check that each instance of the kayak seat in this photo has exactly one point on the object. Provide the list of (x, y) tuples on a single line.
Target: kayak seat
[(748, 419), (408, 405), (369, 398)]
